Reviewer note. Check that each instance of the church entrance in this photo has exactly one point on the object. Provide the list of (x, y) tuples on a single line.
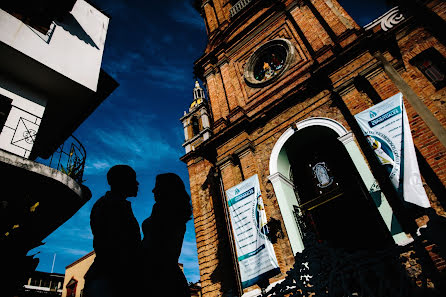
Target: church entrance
[(332, 198)]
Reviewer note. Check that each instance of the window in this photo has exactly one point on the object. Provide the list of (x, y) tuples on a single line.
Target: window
[(195, 126), (54, 284), (35, 282), (269, 62), (5, 108), (71, 288), (432, 64), (46, 283)]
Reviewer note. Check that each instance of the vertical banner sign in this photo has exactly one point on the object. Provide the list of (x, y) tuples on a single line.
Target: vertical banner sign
[(387, 129), (255, 253)]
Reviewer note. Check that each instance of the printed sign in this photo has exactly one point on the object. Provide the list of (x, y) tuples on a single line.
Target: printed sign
[(387, 129), (256, 257)]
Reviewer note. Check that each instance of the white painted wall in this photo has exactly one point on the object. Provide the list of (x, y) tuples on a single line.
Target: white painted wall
[(73, 47), (24, 119)]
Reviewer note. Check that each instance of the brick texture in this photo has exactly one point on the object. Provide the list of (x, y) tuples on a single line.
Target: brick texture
[(248, 120)]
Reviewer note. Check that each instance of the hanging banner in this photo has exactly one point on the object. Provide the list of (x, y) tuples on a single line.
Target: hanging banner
[(387, 129), (256, 257)]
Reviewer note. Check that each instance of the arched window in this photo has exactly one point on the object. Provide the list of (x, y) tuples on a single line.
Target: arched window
[(195, 126)]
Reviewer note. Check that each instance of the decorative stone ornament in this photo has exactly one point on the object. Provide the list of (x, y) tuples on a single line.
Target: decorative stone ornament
[(269, 62), (392, 18)]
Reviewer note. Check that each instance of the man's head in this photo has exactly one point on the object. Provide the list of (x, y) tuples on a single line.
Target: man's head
[(122, 180)]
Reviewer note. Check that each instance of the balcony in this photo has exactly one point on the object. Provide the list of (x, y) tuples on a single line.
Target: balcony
[(38, 198), (239, 6), (69, 158)]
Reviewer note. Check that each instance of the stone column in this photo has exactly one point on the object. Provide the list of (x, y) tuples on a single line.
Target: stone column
[(372, 186), (431, 121), (286, 198)]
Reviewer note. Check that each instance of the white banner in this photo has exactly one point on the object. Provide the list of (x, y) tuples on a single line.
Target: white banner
[(387, 129), (255, 253)]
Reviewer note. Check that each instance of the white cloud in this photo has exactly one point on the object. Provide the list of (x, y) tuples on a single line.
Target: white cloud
[(160, 73), (134, 141), (188, 256), (99, 164), (74, 252)]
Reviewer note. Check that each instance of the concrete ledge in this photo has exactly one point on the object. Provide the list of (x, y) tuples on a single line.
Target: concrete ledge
[(32, 166)]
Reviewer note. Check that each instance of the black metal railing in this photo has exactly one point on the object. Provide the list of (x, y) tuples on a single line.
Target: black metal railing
[(70, 159), (239, 6), (322, 270)]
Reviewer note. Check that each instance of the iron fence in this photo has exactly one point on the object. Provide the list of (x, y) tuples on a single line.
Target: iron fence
[(324, 271), (70, 159)]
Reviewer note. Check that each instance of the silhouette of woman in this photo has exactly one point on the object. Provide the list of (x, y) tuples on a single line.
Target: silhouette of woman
[(163, 237)]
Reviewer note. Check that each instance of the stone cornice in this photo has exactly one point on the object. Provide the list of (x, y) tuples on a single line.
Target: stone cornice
[(280, 177), (197, 136), (347, 138), (245, 149), (225, 162)]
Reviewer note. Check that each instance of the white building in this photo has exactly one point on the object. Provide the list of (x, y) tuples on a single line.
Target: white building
[(43, 284), (50, 81)]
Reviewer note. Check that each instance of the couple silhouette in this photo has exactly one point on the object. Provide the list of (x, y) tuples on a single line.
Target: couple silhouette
[(125, 265)]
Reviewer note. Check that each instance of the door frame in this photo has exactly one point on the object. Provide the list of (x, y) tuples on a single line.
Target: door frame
[(279, 167)]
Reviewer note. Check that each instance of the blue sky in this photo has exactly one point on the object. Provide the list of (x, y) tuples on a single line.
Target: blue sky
[(150, 50)]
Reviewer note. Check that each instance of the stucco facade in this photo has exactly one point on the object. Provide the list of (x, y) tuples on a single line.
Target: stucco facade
[(76, 271)]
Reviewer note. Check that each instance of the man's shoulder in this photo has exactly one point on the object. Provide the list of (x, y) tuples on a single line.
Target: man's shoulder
[(108, 204), (102, 204)]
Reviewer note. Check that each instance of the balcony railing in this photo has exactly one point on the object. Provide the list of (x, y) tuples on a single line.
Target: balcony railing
[(239, 6), (69, 158)]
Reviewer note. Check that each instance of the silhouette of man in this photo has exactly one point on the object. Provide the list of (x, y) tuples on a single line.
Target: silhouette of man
[(116, 238)]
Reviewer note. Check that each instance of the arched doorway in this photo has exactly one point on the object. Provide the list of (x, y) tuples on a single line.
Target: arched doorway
[(281, 176), (332, 198)]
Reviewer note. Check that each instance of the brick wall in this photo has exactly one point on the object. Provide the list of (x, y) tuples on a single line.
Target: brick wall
[(248, 121)]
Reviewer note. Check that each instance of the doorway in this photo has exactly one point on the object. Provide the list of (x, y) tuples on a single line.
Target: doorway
[(334, 202)]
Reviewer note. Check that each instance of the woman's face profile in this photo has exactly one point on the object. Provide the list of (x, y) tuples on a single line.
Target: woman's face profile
[(158, 191), (155, 192)]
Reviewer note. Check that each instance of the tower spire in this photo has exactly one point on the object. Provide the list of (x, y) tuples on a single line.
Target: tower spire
[(196, 122), (198, 95)]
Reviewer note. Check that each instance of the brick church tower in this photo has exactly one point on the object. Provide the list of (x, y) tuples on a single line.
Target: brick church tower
[(284, 80)]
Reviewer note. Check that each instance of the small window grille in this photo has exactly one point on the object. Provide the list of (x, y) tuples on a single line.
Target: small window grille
[(432, 64)]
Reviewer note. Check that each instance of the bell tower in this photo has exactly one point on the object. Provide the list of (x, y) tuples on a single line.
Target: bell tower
[(196, 122)]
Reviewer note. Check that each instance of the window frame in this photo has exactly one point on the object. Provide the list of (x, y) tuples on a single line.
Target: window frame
[(437, 62)]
